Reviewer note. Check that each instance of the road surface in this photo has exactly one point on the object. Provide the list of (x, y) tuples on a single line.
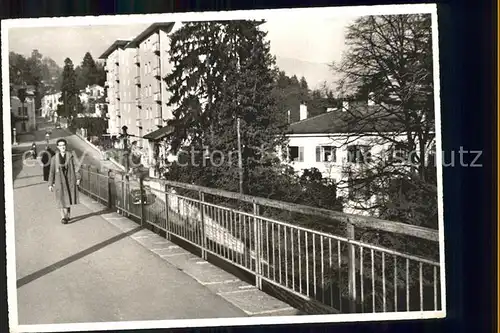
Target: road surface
[(89, 271)]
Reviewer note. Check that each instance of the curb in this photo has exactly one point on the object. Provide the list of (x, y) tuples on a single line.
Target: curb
[(246, 297)]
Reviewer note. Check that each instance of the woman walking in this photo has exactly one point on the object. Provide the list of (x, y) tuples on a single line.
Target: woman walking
[(46, 158), (64, 180)]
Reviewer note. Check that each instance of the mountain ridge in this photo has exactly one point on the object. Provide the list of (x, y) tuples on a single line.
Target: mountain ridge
[(316, 73)]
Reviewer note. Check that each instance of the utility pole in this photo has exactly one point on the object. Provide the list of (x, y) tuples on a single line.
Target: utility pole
[(240, 159)]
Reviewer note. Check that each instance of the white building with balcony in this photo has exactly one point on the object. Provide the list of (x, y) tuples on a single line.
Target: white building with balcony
[(50, 103)]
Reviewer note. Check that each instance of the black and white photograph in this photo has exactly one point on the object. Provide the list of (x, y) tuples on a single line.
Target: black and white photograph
[(223, 168)]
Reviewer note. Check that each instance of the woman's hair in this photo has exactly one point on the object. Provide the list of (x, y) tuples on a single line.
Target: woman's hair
[(62, 140)]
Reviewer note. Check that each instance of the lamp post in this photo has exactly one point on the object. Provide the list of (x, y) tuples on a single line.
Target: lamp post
[(126, 152)]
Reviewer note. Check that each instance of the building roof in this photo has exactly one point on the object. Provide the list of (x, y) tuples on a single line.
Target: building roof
[(119, 43), (359, 119), (165, 26), (159, 133), (100, 99)]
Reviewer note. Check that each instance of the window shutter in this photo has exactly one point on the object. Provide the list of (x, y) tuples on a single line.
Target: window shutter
[(334, 154), (368, 155), (301, 154), (318, 154)]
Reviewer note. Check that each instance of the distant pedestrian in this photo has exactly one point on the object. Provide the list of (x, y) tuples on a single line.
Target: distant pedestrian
[(46, 158), (33, 151), (64, 179)]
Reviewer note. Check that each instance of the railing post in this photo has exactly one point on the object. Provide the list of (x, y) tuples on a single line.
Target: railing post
[(110, 195), (351, 261), (167, 209), (256, 225), (203, 235), (120, 206), (89, 192), (141, 190), (126, 195)]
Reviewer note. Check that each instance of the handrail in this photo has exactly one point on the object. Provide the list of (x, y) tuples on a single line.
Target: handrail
[(356, 220), (275, 251)]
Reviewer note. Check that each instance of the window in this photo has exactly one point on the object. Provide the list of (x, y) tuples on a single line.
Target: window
[(358, 154), (22, 111), (399, 153), (296, 154), (326, 154), (431, 156)]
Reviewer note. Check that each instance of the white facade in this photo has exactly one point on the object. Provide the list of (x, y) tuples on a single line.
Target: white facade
[(334, 154), (50, 103), (25, 113), (137, 95), (94, 91)]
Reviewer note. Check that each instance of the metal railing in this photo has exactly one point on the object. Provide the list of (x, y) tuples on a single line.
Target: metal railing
[(333, 273)]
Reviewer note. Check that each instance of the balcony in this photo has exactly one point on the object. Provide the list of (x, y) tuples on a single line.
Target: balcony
[(117, 76), (106, 68), (106, 84), (156, 71), (157, 97), (137, 80), (138, 102), (107, 99), (117, 95), (137, 59), (138, 122), (156, 47), (158, 122), (157, 111)]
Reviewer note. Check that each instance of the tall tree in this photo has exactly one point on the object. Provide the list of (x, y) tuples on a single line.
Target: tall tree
[(288, 94), (224, 71), (87, 72), (70, 99), (100, 77), (389, 61), (18, 69)]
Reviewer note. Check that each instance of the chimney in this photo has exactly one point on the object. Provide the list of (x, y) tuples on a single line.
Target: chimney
[(289, 119), (371, 100), (345, 106), (303, 111)]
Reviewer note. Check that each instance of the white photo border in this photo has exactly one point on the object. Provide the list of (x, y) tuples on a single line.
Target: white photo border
[(299, 13)]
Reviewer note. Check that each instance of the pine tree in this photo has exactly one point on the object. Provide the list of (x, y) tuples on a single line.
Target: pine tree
[(224, 71), (88, 72), (69, 92)]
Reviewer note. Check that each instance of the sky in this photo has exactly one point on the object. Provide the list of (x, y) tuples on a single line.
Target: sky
[(312, 41)]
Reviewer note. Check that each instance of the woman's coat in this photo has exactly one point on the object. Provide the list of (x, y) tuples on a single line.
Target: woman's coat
[(66, 192)]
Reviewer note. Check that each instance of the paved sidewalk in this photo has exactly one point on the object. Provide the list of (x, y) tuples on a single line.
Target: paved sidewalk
[(92, 271)]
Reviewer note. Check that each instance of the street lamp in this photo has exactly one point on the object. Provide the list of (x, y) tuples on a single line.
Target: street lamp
[(126, 152)]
